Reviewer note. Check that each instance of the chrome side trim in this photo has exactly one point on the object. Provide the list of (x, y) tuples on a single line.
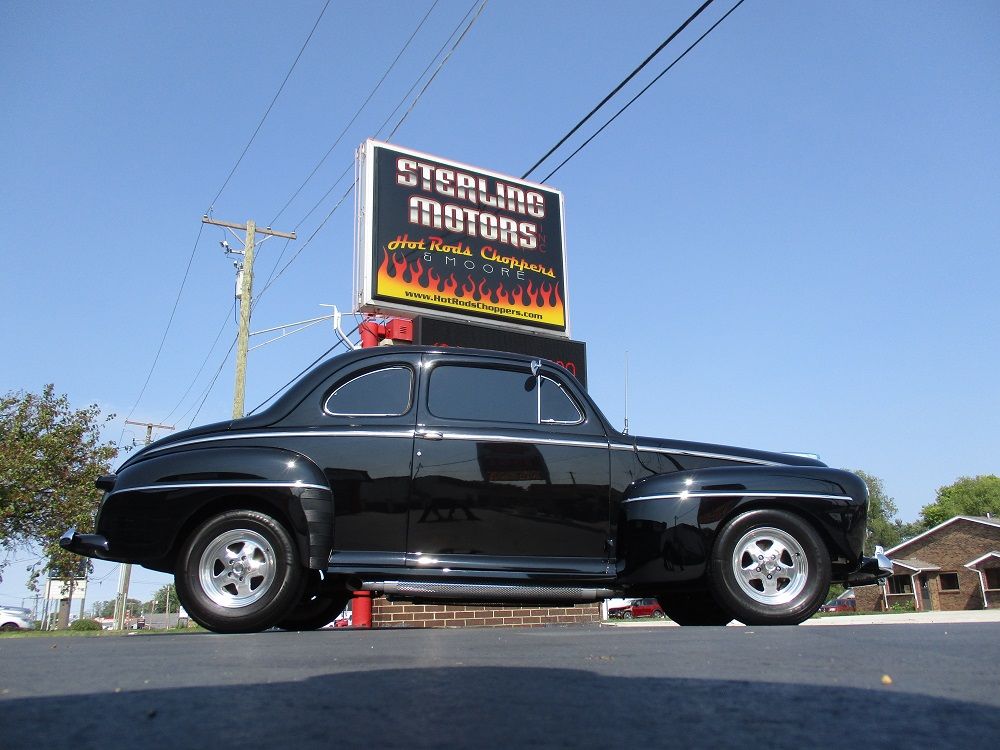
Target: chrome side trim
[(206, 485), (700, 454), (684, 495), (487, 592), (516, 439), (290, 433)]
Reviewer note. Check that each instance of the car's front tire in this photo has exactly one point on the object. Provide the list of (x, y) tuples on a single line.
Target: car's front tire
[(770, 567), (238, 573)]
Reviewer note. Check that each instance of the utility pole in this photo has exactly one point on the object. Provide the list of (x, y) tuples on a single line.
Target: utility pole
[(245, 281), (125, 572)]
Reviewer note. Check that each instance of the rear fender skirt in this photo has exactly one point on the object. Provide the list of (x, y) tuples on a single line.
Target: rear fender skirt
[(668, 522), (154, 502)]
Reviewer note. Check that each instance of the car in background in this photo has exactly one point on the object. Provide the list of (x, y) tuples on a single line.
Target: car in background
[(16, 618), (845, 602), (638, 608)]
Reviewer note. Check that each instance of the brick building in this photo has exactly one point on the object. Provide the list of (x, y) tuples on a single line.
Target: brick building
[(386, 614), (955, 565)]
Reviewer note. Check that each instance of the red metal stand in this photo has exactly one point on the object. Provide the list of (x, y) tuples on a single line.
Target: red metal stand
[(361, 609)]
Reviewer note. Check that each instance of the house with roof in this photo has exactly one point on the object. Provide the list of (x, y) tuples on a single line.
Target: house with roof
[(955, 565)]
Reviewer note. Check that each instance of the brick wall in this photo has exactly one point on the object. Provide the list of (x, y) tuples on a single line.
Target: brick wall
[(386, 614)]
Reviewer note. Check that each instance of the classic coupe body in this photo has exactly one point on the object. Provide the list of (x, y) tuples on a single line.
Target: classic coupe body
[(444, 475)]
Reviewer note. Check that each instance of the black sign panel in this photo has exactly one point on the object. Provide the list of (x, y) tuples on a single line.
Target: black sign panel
[(462, 241), (570, 354)]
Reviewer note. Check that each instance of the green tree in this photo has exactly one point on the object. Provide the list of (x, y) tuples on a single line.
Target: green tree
[(158, 604), (107, 609), (50, 455), (967, 496), (886, 529)]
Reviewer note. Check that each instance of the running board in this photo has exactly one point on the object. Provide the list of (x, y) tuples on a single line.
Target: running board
[(486, 592)]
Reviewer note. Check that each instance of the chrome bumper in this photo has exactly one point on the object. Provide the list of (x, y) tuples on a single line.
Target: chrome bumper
[(88, 545), (871, 570)]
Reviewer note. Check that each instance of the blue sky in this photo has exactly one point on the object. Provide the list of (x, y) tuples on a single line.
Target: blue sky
[(794, 234)]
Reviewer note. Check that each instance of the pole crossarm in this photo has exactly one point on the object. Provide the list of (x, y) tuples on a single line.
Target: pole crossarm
[(231, 225)]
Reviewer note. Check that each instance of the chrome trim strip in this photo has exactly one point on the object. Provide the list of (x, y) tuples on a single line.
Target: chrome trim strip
[(701, 454), (515, 439), (296, 433), (205, 485), (683, 495)]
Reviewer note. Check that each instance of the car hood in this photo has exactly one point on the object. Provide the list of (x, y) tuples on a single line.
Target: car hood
[(715, 450)]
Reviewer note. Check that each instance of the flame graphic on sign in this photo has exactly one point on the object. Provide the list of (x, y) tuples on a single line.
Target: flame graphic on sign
[(414, 282)]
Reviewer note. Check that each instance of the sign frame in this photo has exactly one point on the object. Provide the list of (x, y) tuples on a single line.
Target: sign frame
[(366, 268)]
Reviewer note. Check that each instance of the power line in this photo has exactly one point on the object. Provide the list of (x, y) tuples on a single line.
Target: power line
[(166, 330), (438, 69), (269, 107), (201, 227), (211, 350), (356, 114), (303, 370), (211, 385), (273, 277), (619, 87), (643, 91)]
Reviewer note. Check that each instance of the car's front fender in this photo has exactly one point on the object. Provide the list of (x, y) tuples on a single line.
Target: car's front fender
[(668, 522), (155, 502)]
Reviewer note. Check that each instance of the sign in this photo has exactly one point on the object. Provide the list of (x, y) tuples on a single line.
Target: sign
[(570, 354), (461, 241), (59, 588)]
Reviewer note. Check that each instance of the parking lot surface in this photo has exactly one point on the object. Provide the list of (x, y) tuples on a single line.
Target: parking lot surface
[(914, 686)]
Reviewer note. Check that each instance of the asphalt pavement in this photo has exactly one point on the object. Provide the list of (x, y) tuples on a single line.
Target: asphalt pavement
[(901, 685)]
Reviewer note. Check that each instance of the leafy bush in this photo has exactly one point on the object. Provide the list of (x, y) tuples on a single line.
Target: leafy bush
[(85, 625), (907, 606)]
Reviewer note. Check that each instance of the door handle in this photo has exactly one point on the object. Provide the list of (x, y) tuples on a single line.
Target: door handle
[(430, 435)]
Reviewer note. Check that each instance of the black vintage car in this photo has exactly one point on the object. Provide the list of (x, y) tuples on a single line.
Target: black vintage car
[(442, 475)]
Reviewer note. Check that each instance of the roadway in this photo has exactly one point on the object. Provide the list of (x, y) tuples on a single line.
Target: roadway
[(929, 685)]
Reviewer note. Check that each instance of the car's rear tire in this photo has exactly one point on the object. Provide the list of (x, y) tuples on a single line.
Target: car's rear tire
[(238, 573), (318, 606), (694, 608), (770, 567), (9, 627), (658, 614)]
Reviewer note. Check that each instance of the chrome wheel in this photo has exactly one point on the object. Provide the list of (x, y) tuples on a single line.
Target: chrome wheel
[(770, 566), (237, 568)]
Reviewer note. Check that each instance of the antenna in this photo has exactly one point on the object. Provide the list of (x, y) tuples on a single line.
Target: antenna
[(625, 431)]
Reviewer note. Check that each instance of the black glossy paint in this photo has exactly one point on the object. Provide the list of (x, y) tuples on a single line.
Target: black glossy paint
[(419, 495)]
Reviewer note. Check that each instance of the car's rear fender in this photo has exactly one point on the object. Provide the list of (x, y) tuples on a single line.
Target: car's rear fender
[(668, 522), (156, 502)]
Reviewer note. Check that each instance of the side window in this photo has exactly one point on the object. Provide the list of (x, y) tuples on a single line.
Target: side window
[(492, 395), (556, 406), (483, 394), (379, 393)]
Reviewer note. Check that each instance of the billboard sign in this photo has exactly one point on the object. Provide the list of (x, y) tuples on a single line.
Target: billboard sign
[(463, 242)]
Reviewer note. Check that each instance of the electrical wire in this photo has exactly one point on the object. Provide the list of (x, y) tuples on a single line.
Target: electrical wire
[(356, 114), (273, 276), (619, 87), (211, 385), (163, 338), (304, 370), (269, 107), (194, 249), (643, 91), (439, 67), (211, 350)]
